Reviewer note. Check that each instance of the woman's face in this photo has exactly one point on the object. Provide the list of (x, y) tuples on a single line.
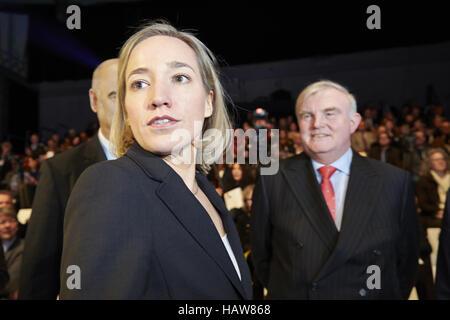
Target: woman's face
[(438, 162), (236, 172), (165, 97)]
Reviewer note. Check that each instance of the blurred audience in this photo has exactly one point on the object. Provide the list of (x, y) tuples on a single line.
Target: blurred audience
[(362, 139), (12, 247), (414, 138), (384, 151), (433, 185)]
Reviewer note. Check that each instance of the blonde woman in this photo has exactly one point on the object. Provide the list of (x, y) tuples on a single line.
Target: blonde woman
[(149, 225)]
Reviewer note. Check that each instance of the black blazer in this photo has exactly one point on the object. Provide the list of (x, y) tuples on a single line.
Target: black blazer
[(136, 232), (4, 276), (39, 278), (299, 253), (443, 259)]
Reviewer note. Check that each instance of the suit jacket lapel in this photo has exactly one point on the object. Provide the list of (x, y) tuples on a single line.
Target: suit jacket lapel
[(175, 195), (196, 221), (231, 231), (359, 205), (93, 151), (302, 180)]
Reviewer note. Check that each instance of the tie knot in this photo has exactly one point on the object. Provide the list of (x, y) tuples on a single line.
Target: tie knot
[(327, 171)]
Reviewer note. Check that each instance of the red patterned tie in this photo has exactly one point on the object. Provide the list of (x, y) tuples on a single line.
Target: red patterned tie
[(327, 188)]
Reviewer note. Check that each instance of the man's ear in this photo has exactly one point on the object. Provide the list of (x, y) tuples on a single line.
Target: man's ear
[(209, 105), (355, 119), (93, 100)]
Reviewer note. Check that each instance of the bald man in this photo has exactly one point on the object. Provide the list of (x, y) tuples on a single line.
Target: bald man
[(43, 243)]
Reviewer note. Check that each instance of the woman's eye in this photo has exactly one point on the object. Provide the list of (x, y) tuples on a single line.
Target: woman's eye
[(181, 78), (139, 84)]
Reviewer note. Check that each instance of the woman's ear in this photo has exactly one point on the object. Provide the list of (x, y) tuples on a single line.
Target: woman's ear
[(209, 104)]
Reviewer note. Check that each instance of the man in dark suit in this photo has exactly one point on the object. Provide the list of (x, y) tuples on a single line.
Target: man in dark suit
[(332, 224), (443, 260), (4, 276), (43, 245)]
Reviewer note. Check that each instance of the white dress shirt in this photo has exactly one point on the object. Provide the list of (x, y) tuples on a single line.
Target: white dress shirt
[(339, 180), (107, 146), (227, 245)]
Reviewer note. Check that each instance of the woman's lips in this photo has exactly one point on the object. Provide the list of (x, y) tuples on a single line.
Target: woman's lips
[(162, 122)]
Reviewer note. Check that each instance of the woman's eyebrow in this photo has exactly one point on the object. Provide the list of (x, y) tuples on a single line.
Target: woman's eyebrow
[(178, 64), (138, 71)]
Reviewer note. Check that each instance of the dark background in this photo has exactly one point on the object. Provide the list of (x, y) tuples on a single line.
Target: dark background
[(238, 33)]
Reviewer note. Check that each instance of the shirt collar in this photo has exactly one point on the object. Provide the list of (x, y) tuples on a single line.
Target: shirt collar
[(342, 164), (107, 146), (8, 244)]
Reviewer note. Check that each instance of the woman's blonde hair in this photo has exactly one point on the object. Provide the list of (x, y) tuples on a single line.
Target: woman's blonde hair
[(121, 135)]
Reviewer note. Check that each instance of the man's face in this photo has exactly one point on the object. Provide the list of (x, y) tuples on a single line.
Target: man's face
[(362, 126), (105, 90), (326, 125), (34, 138), (5, 201), (8, 228), (420, 138), (384, 140)]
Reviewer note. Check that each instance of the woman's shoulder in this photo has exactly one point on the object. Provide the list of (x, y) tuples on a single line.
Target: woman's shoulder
[(112, 173), (120, 166)]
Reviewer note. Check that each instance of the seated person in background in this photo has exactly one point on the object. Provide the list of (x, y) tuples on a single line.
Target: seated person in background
[(384, 152), (415, 159), (443, 139), (12, 247), (443, 260), (237, 175), (4, 276), (241, 217), (432, 187), (6, 199), (362, 140)]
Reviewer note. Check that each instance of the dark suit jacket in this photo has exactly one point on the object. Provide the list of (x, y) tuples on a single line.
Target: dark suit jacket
[(4, 276), (13, 258), (299, 253), (443, 260), (136, 232), (393, 155), (43, 245)]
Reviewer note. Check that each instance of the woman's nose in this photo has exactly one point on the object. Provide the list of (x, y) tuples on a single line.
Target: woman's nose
[(160, 95)]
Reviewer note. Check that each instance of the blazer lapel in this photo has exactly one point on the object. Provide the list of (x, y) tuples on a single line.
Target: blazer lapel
[(303, 183), (190, 213), (93, 151), (232, 234), (197, 222), (359, 205)]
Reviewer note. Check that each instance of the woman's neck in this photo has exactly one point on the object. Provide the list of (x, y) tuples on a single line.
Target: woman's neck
[(185, 168), (440, 173)]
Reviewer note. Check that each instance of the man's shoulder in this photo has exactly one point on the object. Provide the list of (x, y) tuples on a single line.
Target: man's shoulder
[(381, 168), (72, 158)]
